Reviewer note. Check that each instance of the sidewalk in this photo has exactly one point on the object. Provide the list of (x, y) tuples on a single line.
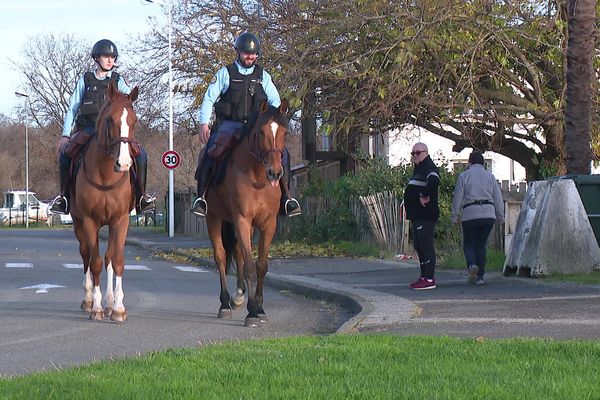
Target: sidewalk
[(377, 292)]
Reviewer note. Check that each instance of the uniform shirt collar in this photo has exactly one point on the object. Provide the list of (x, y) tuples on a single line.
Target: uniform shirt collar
[(243, 70)]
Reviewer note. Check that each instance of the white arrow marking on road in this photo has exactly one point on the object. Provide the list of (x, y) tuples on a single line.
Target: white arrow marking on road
[(190, 269), (18, 265), (43, 287)]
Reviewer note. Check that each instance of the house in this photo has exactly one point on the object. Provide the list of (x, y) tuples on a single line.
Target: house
[(396, 147)]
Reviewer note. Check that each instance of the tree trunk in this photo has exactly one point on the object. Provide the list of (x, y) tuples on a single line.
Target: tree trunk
[(580, 50)]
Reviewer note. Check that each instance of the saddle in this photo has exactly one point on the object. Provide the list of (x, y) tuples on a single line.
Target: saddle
[(229, 134)]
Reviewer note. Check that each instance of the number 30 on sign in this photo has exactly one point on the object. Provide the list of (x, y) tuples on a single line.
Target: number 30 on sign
[(171, 159)]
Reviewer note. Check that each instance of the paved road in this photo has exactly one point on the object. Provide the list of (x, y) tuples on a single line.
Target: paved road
[(377, 292), (169, 305)]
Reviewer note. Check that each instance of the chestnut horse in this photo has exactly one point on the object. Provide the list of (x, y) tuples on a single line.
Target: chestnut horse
[(248, 198), (103, 195)]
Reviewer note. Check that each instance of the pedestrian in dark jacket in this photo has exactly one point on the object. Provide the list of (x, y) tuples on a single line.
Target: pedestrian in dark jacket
[(422, 209), (477, 203)]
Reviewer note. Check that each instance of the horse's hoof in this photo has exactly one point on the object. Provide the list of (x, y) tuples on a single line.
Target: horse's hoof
[(252, 322), (86, 306), (263, 318), (224, 313), (108, 310), (97, 315), (118, 315)]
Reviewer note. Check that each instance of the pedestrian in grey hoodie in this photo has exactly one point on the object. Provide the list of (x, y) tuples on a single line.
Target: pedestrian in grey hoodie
[(476, 203)]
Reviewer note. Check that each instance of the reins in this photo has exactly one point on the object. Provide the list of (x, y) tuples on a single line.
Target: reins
[(108, 146)]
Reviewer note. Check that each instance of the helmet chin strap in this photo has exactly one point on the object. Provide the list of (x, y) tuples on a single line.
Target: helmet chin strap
[(104, 69)]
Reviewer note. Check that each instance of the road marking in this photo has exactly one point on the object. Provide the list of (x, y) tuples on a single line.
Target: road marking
[(137, 267), (43, 287), (73, 266), (189, 269), (18, 265)]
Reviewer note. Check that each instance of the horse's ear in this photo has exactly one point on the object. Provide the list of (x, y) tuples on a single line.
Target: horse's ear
[(264, 106), (283, 108), (134, 94)]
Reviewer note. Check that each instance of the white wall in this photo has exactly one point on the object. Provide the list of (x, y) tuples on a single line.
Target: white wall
[(397, 149)]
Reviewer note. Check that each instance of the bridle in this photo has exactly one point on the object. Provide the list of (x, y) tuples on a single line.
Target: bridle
[(109, 141), (256, 150)]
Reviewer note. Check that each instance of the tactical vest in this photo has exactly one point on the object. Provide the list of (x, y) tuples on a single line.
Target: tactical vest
[(94, 96), (243, 96)]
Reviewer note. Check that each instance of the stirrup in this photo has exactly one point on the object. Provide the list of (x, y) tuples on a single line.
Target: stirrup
[(59, 205), (292, 207), (149, 199), (199, 208)]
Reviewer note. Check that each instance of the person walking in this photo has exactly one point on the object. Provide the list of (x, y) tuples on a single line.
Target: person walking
[(476, 203), (422, 209), (84, 106), (236, 93)]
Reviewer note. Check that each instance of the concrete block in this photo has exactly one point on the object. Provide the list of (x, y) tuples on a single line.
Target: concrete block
[(553, 233)]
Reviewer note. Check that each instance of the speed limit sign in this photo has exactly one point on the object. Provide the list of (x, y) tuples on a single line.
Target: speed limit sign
[(171, 159)]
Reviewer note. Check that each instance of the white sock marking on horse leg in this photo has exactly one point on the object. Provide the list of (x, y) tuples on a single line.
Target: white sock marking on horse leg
[(124, 156), (87, 286), (97, 299), (119, 294), (108, 294)]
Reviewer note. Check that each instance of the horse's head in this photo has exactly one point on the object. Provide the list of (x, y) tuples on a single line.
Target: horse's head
[(269, 140), (115, 127)]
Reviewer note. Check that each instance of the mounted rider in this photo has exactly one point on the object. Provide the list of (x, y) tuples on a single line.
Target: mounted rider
[(236, 93), (84, 106)]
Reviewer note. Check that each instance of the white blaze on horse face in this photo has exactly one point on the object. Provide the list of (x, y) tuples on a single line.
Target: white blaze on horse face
[(274, 127), (124, 160)]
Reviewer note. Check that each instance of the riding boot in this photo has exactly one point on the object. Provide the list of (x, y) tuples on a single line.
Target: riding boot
[(60, 204), (200, 207), (288, 205), (144, 202)]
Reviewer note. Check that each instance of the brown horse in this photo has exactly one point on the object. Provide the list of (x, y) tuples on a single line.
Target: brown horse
[(248, 198), (103, 195)]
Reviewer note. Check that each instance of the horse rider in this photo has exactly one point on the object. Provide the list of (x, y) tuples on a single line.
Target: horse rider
[(84, 106), (236, 93)]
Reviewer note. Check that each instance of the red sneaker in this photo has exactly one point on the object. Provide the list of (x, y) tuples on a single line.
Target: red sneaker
[(417, 282), (425, 284)]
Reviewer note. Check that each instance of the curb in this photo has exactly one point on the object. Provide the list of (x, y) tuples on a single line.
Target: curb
[(370, 308)]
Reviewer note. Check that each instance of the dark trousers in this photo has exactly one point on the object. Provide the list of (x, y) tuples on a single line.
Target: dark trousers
[(423, 240), (476, 233)]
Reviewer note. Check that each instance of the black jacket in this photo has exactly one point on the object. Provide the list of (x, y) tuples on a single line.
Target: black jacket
[(424, 181)]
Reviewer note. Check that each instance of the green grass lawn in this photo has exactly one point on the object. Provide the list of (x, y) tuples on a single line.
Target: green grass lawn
[(335, 367)]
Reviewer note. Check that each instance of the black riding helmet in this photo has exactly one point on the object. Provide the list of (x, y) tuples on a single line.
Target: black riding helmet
[(104, 47), (248, 43)]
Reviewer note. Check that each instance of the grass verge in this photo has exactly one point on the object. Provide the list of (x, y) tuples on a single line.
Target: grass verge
[(334, 367)]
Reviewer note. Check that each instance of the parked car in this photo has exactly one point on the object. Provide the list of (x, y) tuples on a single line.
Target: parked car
[(15, 203)]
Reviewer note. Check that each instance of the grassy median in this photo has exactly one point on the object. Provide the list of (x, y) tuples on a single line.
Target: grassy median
[(335, 367)]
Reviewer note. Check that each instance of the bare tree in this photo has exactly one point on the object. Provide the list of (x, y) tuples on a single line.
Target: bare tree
[(581, 16), (51, 67)]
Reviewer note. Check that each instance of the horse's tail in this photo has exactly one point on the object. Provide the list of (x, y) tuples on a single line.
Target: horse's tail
[(229, 242)]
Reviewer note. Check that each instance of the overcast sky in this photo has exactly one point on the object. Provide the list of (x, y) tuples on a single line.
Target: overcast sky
[(88, 19)]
